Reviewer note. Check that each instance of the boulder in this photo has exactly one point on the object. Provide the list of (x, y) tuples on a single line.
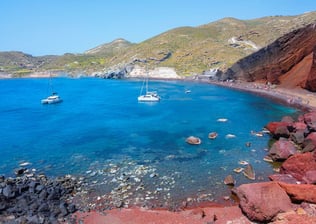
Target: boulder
[(282, 132), (261, 202), (282, 149), (298, 136), (287, 119), (300, 192), (308, 146), (310, 177), (300, 126), (312, 137), (229, 180), (249, 172), (193, 140), (286, 178), (310, 120), (273, 126), (298, 165), (293, 217)]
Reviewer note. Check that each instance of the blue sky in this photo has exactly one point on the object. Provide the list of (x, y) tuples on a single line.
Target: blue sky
[(42, 27)]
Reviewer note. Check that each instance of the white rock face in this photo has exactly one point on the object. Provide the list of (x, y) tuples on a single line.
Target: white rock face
[(159, 73)]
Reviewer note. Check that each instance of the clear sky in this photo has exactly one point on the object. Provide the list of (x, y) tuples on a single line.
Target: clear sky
[(42, 27)]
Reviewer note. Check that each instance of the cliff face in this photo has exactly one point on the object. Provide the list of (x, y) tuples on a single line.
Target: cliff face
[(289, 61)]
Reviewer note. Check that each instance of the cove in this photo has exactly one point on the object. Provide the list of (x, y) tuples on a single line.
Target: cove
[(134, 150)]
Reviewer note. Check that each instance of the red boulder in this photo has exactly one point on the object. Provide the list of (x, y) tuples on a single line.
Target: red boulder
[(263, 201), (273, 126), (300, 192), (310, 120), (282, 149), (298, 165)]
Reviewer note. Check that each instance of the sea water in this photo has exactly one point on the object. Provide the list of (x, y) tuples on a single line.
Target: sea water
[(101, 131)]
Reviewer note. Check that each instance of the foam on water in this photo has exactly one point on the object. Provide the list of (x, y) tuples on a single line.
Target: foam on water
[(100, 125)]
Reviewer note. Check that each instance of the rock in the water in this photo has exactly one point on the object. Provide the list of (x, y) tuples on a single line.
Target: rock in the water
[(229, 180), (193, 140), (249, 172)]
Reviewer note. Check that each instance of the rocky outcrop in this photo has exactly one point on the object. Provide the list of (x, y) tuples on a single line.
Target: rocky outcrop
[(289, 61), (293, 136), (159, 72)]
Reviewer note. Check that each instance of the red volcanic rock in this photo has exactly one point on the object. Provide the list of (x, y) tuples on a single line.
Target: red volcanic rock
[(310, 120), (298, 137), (287, 119), (310, 177), (309, 143), (308, 146), (286, 178), (282, 131), (263, 201), (289, 61), (298, 165), (282, 149), (300, 192), (310, 82), (193, 140), (300, 126), (273, 126), (312, 137), (293, 217)]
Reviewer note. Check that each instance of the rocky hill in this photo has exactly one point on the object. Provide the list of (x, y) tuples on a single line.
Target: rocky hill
[(110, 49), (290, 61), (188, 50)]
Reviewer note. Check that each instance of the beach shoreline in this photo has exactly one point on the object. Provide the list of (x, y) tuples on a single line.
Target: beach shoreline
[(294, 97)]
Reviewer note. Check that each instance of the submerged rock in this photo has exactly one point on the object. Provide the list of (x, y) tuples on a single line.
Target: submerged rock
[(229, 180), (193, 140), (249, 172)]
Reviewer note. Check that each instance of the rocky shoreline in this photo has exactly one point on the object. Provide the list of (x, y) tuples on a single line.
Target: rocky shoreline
[(35, 198)]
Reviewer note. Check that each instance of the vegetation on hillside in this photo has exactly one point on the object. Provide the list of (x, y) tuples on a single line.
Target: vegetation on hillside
[(189, 50)]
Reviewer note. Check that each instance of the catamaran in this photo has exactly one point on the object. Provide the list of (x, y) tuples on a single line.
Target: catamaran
[(53, 98), (149, 96)]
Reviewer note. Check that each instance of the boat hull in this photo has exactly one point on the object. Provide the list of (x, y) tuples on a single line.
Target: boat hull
[(148, 98), (52, 100)]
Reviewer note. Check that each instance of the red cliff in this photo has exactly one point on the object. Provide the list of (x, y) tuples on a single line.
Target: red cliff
[(290, 61)]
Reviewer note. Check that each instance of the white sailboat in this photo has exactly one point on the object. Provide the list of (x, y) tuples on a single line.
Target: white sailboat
[(53, 98), (149, 96)]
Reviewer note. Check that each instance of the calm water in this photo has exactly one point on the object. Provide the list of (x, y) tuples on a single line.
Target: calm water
[(101, 131)]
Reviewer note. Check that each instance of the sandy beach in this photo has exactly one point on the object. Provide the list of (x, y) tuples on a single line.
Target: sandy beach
[(295, 97)]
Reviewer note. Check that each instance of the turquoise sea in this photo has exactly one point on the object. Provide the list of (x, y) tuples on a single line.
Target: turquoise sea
[(102, 132)]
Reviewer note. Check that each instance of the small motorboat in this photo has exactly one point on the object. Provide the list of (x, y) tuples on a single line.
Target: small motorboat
[(54, 98)]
